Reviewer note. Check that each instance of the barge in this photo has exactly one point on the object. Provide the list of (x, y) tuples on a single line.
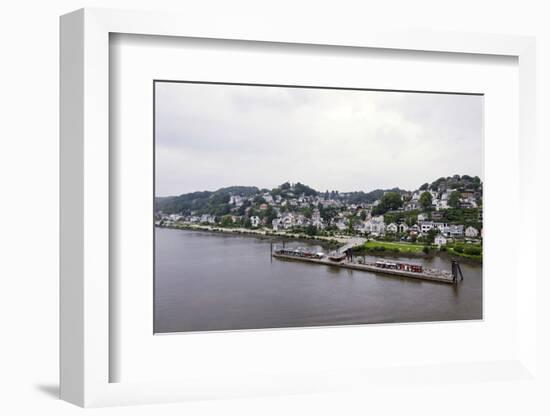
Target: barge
[(401, 269)]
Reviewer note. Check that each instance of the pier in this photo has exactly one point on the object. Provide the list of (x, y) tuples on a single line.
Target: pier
[(322, 259), (351, 244)]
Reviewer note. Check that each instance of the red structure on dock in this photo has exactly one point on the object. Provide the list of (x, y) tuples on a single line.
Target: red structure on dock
[(408, 267)]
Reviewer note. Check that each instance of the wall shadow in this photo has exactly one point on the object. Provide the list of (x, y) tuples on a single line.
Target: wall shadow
[(51, 390)]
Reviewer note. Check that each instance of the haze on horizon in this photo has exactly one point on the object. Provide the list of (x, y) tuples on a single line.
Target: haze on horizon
[(210, 136)]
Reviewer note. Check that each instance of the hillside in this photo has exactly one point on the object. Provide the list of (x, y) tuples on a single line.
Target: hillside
[(203, 202), (239, 200)]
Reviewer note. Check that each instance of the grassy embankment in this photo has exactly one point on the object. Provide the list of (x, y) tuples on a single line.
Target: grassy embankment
[(395, 247), (470, 251)]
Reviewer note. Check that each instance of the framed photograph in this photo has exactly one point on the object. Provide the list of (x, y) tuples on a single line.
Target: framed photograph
[(327, 209), (336, 225)]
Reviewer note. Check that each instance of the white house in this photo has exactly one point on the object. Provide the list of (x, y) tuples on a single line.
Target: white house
[(341, 224), (441, 204), (288, 221), (403, 228), (236, 200), (440, 240), (255, 221), (375, 225), (471, 232), (456, 230), (392, 228), (301, 220), (380, 225), (276, 224), (208, 218), (442, 227), (426, 226), (318, 223), (414, 229), (317, 220)]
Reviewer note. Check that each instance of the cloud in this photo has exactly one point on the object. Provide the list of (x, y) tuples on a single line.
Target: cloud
[(209, 136)]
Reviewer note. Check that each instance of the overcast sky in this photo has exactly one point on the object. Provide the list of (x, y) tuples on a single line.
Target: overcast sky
[(212, 136)]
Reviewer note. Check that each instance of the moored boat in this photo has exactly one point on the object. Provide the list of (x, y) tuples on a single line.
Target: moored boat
[(299, 253), (409, 267), (337, 257)]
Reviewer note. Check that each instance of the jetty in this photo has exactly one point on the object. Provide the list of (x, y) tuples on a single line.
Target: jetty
[(346, 261)]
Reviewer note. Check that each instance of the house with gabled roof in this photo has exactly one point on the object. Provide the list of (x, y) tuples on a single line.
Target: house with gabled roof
[(471, 232)]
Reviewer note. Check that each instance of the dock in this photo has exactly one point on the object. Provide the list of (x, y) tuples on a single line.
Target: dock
[(429, 275)]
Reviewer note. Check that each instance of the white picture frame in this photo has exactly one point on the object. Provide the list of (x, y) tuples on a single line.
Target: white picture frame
[(85, 220)]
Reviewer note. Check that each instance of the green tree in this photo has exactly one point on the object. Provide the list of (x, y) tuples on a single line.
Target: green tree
[(258, 199), (435, 185), (300, 188), (473, 250), (454, 199), (307, 212), (226, 221), (424, 187), (269, 214), (242, 209), (389, 201), (311, 230), (221, 209), (351, 222), (392, 200), (425, 200), (431, 235), (328, 213)]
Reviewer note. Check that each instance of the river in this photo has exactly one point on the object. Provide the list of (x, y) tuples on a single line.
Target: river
[(210, 281)]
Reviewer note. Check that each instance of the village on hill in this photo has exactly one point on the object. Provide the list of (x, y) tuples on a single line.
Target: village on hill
[(446, 211)]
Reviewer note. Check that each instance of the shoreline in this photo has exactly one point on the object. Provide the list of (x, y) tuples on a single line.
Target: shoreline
[(333, 242), (411, 255)]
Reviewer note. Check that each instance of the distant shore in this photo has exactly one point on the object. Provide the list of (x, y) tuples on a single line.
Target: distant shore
[(333, 242)]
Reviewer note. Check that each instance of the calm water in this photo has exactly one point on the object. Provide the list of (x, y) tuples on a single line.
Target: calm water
[(206, 281)]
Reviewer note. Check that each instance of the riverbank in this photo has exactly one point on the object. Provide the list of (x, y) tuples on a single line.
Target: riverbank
[(398, 249), (330, 242), (472, 257), (369, 247)]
